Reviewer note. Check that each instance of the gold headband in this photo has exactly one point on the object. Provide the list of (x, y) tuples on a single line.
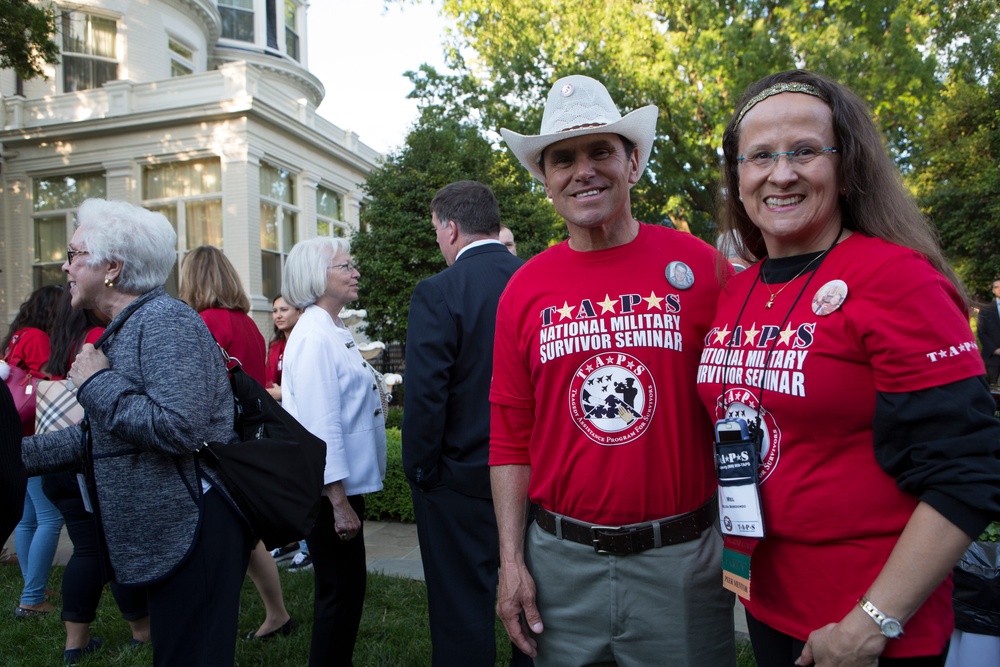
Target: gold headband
[(777, 89)]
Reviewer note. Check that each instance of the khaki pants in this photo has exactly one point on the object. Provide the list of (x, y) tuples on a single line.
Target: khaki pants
[(661, 607)]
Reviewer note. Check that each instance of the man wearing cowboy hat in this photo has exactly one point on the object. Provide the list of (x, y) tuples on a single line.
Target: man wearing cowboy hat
[(623, 563)]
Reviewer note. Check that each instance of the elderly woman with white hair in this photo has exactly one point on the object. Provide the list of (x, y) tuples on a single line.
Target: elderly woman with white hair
[(154, 391), (332, 391)]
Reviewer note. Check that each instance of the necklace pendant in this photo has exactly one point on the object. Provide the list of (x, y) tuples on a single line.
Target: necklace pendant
[(770, 302)]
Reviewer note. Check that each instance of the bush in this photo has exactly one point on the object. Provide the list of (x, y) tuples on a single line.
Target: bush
[(393, 502), (394, 417)]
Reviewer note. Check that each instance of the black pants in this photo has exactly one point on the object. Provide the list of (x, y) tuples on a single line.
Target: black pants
[(776, 649), (341, 575), (194, 612), (460, 551), (87, 572)]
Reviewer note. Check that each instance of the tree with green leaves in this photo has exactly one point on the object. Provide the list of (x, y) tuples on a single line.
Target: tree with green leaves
[(398, 247), (26, 38)]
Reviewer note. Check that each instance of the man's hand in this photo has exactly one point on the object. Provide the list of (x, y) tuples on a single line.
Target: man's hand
[(516, 593)]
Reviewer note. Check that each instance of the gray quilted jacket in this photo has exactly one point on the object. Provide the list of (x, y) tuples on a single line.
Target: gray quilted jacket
[(166, 391)]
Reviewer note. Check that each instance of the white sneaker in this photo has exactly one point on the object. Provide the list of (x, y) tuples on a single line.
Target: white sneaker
[(301, 563), (284, 553)]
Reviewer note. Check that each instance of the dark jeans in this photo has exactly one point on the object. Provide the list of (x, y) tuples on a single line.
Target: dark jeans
[(341, 576), (194, 612), (776, 649)]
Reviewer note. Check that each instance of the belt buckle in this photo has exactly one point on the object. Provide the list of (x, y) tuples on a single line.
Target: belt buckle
[(596, 532)]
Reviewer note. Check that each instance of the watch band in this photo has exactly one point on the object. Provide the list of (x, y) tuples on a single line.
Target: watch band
[(890, 628)]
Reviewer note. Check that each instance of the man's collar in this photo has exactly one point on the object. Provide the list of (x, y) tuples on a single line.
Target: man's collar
[(476, 244)]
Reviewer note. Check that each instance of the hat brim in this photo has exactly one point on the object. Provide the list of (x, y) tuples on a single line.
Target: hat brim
[(639, 127)]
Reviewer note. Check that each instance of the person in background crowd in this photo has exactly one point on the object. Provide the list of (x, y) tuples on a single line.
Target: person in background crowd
[(877, 444), (988, 327), (332, 391), (446, 425), (604, 429), (211, 285), (154, 391), (85, 574), (284, 317), (507, 239), (27, 345)]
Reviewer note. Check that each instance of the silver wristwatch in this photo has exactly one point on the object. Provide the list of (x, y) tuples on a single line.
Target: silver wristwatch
[(890, 627)]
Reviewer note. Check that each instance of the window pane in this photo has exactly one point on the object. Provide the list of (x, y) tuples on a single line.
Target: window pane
[(268, 226), (289, 225), (102, 37), (276, 183), (204, 223), (177, 69), (181, 179), (290, 15), (291, 44), (180, 49), (322, 228), (50, 239), (241, 4), (327, 203), (270, 264), (50, 274), (67, 191), (236, 24), (74, 32)]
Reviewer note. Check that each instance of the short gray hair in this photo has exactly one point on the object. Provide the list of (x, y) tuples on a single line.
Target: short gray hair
[(304, 278), (143, 241)]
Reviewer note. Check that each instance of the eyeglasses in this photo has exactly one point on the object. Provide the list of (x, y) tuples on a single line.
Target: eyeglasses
[(71, 254), (766, 160), (349, 266)]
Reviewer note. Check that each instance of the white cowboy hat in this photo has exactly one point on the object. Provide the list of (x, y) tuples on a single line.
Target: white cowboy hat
[(580, 105)]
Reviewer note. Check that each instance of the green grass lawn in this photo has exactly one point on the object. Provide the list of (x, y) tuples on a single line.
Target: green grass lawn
[(394, 631)]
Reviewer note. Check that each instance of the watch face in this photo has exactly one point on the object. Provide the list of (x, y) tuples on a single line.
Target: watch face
[(892, 628)]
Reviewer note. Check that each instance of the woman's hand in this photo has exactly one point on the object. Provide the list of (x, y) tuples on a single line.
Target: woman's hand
[(89, 361), (345, 520)]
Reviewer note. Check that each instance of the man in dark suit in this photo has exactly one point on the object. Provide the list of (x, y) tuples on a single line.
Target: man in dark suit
[(989, 334), (446, 422)]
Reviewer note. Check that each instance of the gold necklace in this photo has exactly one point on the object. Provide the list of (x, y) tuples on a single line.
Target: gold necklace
[(774, 295)]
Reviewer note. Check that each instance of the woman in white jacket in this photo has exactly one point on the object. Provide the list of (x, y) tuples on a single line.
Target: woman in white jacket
[(331, 390)]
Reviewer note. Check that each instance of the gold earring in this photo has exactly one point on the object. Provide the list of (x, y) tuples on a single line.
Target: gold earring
[(108, 282)]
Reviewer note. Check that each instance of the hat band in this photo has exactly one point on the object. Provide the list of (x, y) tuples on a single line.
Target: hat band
[(777, 89), (581, 127)]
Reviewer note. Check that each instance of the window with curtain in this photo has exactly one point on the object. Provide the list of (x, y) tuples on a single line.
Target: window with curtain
[(189, 194), (291, 29), (237, 19), (54, 203), (89, 56), (329, 213), (279, 217)]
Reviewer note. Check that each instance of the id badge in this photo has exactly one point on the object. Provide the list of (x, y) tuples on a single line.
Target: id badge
[(739, 494)]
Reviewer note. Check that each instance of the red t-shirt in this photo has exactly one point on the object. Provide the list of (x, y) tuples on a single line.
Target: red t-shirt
[(831, 514), (239, 336), (275, 359), (603, 351)]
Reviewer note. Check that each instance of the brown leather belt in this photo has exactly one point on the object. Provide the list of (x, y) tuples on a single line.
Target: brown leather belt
[(631, 539)]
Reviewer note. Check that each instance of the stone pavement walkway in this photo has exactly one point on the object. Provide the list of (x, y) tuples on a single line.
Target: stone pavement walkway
[(391, 549)]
